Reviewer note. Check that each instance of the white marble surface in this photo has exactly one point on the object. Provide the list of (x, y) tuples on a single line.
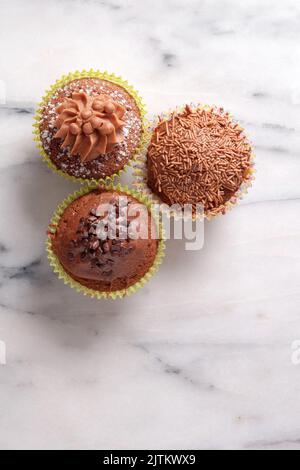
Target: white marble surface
[(201, 358)]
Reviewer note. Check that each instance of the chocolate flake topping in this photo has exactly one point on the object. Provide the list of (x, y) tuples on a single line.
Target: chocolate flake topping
[(198, 157), (95, 242)]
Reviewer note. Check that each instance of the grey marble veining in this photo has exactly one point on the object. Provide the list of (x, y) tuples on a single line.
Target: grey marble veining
[(201, 357)]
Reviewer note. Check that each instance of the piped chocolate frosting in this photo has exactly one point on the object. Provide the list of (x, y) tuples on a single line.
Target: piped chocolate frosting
[(89, 125)]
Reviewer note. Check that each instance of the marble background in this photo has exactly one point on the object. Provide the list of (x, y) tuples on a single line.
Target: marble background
[(201, 358)]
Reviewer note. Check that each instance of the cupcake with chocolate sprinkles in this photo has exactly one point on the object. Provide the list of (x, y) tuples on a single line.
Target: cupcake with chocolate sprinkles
[(105, 242), (90, 125), (198, 156)]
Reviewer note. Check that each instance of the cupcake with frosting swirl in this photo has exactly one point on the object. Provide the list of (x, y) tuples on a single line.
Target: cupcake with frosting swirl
[(90, 126)]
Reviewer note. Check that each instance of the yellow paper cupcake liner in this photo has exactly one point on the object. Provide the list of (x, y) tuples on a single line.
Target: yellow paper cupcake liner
[(64, 80), (68, 280), (141, 172)]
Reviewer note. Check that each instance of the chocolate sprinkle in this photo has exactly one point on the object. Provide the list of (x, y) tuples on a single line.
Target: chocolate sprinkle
[(198, 157)]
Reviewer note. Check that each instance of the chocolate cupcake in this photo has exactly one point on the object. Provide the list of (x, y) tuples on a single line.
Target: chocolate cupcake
[(198, 156), (89, 126), (105, 242)]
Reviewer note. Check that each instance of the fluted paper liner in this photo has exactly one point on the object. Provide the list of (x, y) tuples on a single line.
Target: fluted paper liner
[(141, 171), (64, 80), (68, 280)]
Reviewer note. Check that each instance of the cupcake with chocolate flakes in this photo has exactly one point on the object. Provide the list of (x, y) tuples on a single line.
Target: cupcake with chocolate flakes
[(197, 156), (90, 126), (105, 242)]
